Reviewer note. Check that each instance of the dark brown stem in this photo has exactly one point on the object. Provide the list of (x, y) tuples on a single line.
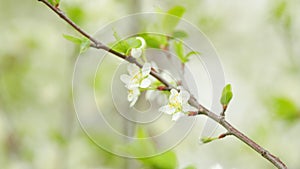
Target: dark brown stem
[(201, 109)]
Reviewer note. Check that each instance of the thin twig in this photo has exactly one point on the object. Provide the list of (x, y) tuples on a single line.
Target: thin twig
[(224, 135), (201, 109)]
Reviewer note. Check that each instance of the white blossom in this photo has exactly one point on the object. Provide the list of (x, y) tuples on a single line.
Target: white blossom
[(137, 52), (178, 104), (137, 78), (133, 95)]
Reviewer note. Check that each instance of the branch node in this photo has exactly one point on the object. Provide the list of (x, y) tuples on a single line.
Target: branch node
[(224, 110), (264, 153), (224, 135)]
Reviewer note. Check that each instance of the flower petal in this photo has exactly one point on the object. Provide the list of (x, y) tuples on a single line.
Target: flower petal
[(133, 101), (143, 42), (145, 83), (136, 52), (133, 69), (130, 96), (173, 92), (173, 99), (178, 115), (146, 69), (149, 94), (125, 78), (184, 95), (132, 84), (133, 93), (167, 109)]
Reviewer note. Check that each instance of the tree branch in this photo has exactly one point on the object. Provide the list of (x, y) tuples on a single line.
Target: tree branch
[(201, 109)]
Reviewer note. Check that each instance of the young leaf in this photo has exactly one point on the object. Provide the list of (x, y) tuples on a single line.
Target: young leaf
[(285, 109), (85, 44), (166, 160), (187, 56), (180, 34), (73, 39), (208, 139), (154, 41), (190, 167), (75, 12), (280, 10), (226, 95), (119, 45), (176, 11), (133, 42), (54, 2), (179, 50), (170, 22)]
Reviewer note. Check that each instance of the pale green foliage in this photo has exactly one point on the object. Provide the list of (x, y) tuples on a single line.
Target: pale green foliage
[(190, 167), (226, 95), (179, 50), (54, 2), (180, 34), (124, 45), (169, 23), (166, 160), (83, 42), (155, 41), (281, 14), (285, 109), (208, 139)]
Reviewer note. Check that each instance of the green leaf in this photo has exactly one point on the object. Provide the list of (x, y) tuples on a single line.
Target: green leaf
[(73, 39), (120, 40), (133, 42), (187, 56), (119, 45), (208, 139), (85, 44), (285, 109), (54, 2), (176, 11), (226, 95), (124, 45), (155, 41), (282, 15), (141, 133), (280, 10), (179, 50), (180, 34), (167, 160), (139, 147), (190, 167), (169, 23), (75, 12)]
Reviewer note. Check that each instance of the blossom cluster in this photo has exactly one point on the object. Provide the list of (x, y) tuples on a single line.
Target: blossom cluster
[(138, 80)]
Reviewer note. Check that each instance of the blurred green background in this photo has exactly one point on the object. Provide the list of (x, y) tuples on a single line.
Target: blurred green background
[(258, 44)]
